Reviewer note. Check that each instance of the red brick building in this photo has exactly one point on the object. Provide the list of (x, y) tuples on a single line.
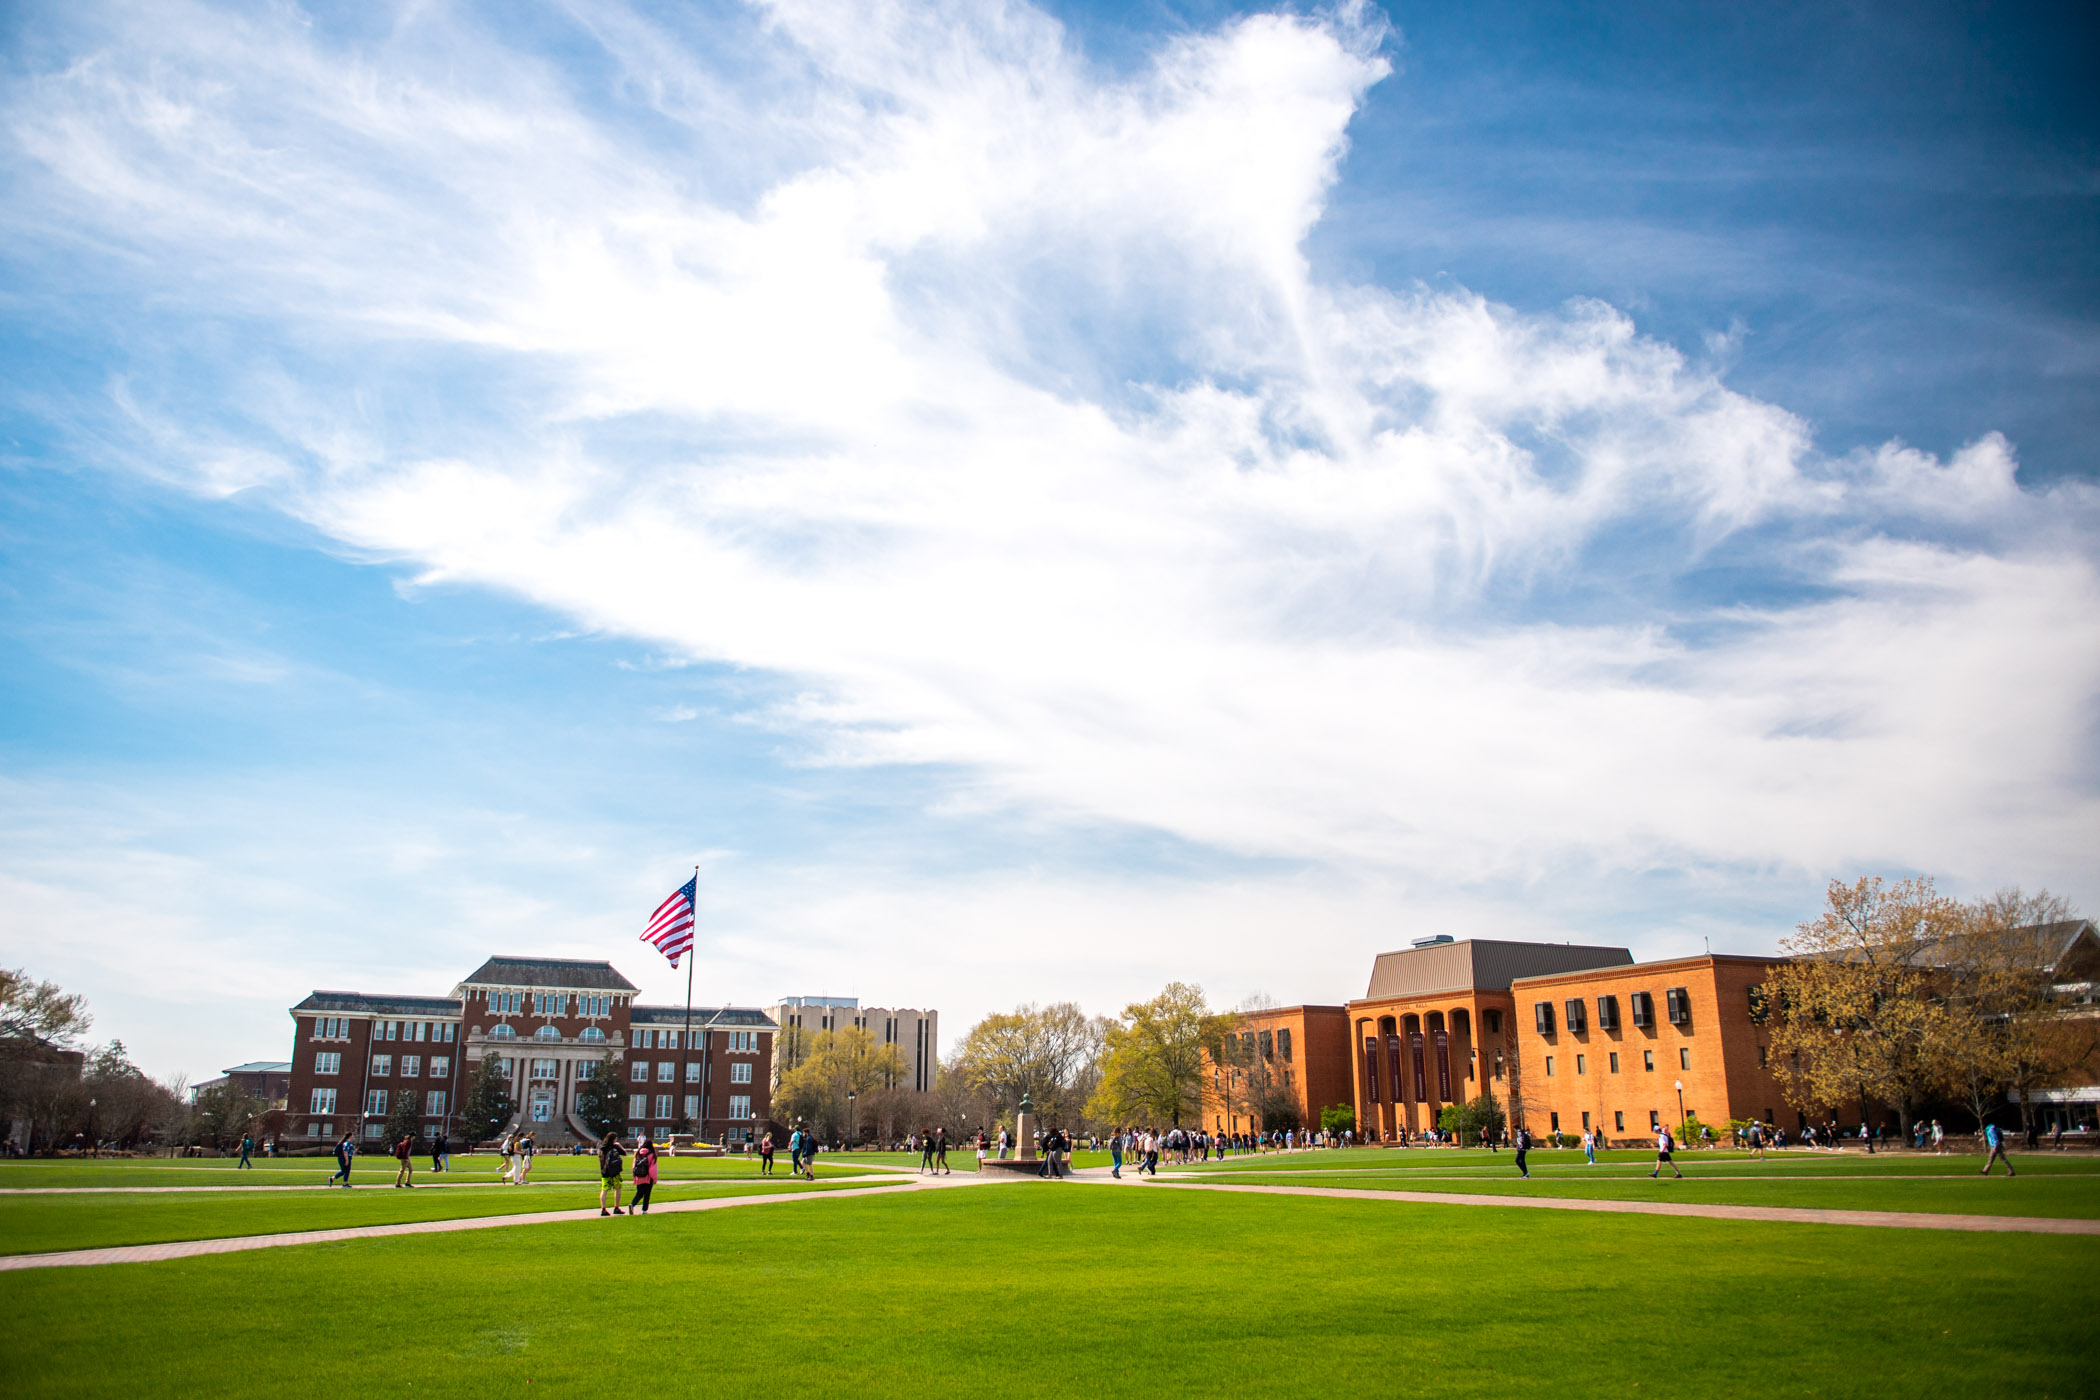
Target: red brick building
[(1292, 1055), (550, 1023)]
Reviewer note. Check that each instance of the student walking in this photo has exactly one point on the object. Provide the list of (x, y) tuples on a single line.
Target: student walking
[(1522, 1142), (1115, 1154), (440, 1152), (1665, 1148), (925, 1153), (644, 1174), (940, 1151), (527, 1145), (508, 1150), (405, 1174), (1995, 1141), (1589, 1146), (345, 1153), (609, 1159), (247, 1146), (765, 1154)]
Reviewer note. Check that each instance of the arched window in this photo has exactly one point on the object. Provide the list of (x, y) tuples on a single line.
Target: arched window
[(592, 1034), (502, 1032), (548, 1033)]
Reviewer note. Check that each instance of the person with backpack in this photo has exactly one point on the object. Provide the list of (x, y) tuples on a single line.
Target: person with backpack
[(247, 1146), (440, 1149), (925, 1153), (644, 1174), (1995, 1141), (527, 1145), (940, 1152), (765, 1154), (1665, 1147), (609, 1159), (1521, 1141)]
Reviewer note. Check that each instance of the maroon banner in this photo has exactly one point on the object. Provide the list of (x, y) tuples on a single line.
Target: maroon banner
[(1443, 1065), (1392, 1050), (1371, 1067), (1421, 1082)]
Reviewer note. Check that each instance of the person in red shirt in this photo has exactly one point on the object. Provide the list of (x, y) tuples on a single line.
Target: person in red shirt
[(406, 1176)]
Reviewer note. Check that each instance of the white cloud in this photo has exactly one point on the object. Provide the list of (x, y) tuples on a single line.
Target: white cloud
[(1012, 424)]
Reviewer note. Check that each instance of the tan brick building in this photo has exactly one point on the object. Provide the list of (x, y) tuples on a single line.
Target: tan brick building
[(1294, 1058)]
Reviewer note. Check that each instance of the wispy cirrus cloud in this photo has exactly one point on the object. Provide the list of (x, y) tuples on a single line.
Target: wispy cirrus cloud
[(993, 402)]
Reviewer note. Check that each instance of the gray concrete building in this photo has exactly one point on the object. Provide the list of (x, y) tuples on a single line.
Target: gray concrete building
[(914, 1032)]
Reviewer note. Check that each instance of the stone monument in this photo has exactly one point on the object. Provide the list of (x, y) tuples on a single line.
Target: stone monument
[(1024, 1162)]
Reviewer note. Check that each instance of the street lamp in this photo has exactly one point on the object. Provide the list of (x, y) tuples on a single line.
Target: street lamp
[(1680, 1103), (849, 1117)]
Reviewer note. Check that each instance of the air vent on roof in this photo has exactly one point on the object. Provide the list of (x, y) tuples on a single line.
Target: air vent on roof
[(1432, 940)]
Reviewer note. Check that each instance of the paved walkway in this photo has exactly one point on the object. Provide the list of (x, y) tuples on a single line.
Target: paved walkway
[(234, 1244), (1888, 1219)]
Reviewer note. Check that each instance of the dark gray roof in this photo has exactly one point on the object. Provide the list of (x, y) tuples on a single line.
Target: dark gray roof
[(704, 1017), (568, 974), (378, 1004), (1481, 963), (2052, 947)]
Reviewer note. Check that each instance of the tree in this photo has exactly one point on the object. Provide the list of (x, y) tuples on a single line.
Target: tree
[(1047, 1054), (222, 1113), (488, 1104), (836, 1069), (1337, 1118), (404, 1117), (39, 1012), (1856, 1015), (1153, 1058), (1471, 1119), (2004, 1030), (600, 1099), (126, 1106)]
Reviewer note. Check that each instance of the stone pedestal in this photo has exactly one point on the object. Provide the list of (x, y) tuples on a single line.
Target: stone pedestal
[(1024, 1136)]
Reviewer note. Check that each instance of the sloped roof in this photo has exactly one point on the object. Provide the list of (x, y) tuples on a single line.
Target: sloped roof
[(704, 1017), (1480, 963), (566, 974), (378, 1004), (261, 1067), (2053, 946)]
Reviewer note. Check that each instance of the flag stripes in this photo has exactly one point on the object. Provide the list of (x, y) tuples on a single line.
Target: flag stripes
[(671, 926)]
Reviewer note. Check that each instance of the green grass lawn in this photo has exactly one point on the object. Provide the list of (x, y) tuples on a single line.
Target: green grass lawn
[(305, 1171), (33, 1224), (1083, 1290)]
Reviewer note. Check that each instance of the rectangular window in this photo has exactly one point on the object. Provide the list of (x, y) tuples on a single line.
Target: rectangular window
[(1283, 1044), (640, 1074), (739, 1105), (666, 1071), (1684, 1058), (670, 1040), (1578, 1016), (373, 1130), (1585, 1122), (440, 1066), (1542, 1017), (1678, 1002), (1268, 1045), (435, 1105), (644, 1038), (375, 1102), (1549, 1066), (1554, 1120), (382, 1064), (1618, 1122), (323, 1102), (1648, 1061), (393, 1030), (315, 1128), (328, 1062), (1642, 1007), (543, 1069), (411, 1065), (1582, 1064), (506, 1067), (1494, 1020), (740, 1072), (663, 1105), (692, 1071), (692, 1105), (1655, 1120), (451, 1032), (637, 1105), (1761, 1053), (1614, 1062), (1607, 1013), (586, 1069)]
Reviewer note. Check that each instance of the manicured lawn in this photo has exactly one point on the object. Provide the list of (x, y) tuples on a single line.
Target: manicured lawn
[(305, 1171), (1086, 1290), (33, 1224), (1449, 1162)]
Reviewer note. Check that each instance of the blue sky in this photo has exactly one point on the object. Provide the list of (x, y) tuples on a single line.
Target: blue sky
[(1034, 501)]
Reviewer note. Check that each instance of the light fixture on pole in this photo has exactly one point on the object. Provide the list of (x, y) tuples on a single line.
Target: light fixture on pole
[(1680, 1103)]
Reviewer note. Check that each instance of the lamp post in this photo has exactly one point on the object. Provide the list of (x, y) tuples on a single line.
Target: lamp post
[(1680, 1105), (849, 1117)]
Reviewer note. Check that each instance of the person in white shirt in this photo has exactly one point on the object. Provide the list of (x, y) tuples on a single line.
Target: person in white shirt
[(1665, 1145)]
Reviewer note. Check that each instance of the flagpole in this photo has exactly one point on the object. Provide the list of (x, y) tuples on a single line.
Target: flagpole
[(685, 1044)]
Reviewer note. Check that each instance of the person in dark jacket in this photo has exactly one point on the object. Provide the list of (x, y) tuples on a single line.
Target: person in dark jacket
[(1521, 1140), (345, 1153), (609, 1159)]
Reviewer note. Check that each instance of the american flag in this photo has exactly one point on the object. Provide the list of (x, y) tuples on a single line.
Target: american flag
[(671, 926)]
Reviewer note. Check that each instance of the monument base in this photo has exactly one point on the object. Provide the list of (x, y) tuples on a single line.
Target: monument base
[(1012, 1166)]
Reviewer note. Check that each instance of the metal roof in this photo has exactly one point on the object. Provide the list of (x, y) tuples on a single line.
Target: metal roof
[(565, 974), (1480, 964), (379, 1004), (261, 1067), (704, 1017)]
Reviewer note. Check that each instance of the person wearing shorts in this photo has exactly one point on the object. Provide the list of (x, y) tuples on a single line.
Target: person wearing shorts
[(1665, 1145), (609, 1158), (405, 1174)]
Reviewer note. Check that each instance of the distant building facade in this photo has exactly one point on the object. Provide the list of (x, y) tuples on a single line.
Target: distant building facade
[(915, 1033), (1283, 1064), (268, 1080), (550, 1023)]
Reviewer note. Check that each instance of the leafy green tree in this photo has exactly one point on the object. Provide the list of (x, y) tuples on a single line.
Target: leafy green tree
[(404, 1117), (488, 1105), (1470, 1119), (1153, 1059), (1049, 1054), (600, 1099), (222, 1113), (1337, 1118)]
